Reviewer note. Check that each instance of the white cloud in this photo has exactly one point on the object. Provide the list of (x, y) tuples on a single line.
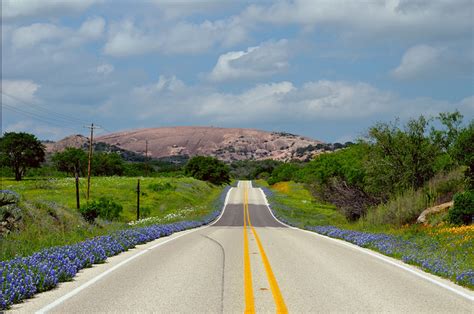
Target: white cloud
[(467, 103), (38, 33), (435, 63), (418, 62), (173, 9), (42, 131), (28, 36), (172, 102), (282, 102), (12, 9), (267, 59), (340, 100), (126, 38), (405, 19), (20, 90), (105, 69), (92, 28)]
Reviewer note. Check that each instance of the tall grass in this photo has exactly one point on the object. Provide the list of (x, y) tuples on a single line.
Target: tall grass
[(405, 208)]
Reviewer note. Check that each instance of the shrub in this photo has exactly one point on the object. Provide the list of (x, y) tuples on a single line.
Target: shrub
[(208, 169), (284, 172), (462, 211), (107, 164), (158, 187), (104, 208), (463, 151), (145, 212)]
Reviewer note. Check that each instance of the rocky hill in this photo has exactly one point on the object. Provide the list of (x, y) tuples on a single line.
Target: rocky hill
[(227, 144)]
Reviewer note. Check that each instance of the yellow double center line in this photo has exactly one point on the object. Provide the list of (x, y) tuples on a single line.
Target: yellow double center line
[(249, 299)]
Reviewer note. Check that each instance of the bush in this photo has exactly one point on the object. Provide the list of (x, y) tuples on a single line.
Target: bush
[(208, 169), (158, 187), (463, 151), (104, 208), (284, 172), (462, 211), (107, 164)]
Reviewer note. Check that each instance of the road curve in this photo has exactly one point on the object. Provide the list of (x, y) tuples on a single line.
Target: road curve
[(248, 261)]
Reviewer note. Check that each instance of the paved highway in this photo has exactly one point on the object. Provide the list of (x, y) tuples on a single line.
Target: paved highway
[(249, 262)]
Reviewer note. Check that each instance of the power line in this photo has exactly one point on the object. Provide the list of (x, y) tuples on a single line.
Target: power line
[(38, 117), (44, 110), (35, 115)]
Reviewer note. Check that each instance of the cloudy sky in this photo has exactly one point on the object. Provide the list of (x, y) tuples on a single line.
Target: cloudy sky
[(322, 68)]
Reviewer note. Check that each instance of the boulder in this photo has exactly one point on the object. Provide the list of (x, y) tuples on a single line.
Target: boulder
[(422, 219)]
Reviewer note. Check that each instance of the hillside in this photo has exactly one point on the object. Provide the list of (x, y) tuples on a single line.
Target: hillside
[(227, 144)]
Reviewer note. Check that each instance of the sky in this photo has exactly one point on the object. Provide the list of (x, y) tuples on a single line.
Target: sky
[(326, 69)]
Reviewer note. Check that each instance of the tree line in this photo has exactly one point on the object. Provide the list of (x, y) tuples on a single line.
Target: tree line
[(22, 151), (389, 160)]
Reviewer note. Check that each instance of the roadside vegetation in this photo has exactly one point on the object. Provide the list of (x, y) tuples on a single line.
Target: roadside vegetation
[(47, 215), (45, 239), (38, 205), (424, 163), (372, 193)]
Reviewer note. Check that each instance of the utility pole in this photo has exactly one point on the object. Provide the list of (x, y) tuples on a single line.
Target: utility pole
[(91, 139), (146, 158), (78, 203), (138, 200)]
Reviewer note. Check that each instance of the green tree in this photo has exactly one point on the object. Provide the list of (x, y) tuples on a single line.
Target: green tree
[(400, 159), (208, 169), (284, 172), (446, 137), (346, 164), (107, 164), (21, 151), (71, 160), (463, 152)]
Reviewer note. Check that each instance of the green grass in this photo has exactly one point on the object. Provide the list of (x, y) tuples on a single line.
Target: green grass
[(452, 245), (50, 217), (405, 208), (296, 204)]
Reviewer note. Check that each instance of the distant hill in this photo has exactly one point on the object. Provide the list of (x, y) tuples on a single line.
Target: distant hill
[(227, 144), (80, 141)]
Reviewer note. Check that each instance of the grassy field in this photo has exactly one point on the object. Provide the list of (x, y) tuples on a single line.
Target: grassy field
[(296, 205), (441, 249), (50, 217)]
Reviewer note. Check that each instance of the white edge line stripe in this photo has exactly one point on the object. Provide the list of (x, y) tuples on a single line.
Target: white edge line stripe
[(131, 258), (416, 271)]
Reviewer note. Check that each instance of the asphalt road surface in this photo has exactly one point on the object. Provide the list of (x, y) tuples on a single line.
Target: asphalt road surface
[(247, 261)]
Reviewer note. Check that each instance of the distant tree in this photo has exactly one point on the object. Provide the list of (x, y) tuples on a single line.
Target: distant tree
[(337, 145), (284, 172), (451, 122), (346, 165), (71, 160), (252, 169), (208, 169), (107, 164), (21, 151)]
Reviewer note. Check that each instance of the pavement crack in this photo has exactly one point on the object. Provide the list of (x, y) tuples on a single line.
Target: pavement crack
[(223, 269)]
